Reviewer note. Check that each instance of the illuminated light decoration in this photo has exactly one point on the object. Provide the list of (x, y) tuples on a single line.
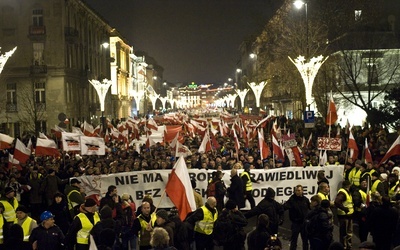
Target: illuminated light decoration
[(4, 58), (242, 95), (138, 96), (153, 98), (308, 71), (231, 99), (257, 90), (163, 101), (101, 89)]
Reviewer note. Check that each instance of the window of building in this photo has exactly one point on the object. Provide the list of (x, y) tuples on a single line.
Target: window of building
[(41, 126), (373, 74), (123, 60), (38, 49), (40, 92), (11, 93), (357, 15), (37, 17)]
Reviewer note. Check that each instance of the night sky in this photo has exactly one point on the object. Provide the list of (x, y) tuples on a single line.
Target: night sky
[(193, 40)]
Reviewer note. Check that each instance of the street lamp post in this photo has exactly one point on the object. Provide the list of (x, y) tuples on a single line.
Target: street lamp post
[(242, 95), (101, 89), (299, 4), (4, 58)]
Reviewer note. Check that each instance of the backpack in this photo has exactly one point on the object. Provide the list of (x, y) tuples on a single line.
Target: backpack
[(211, 189), (224, 230)]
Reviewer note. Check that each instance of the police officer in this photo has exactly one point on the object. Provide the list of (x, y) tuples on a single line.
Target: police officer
[(248, 184), (25, 221)]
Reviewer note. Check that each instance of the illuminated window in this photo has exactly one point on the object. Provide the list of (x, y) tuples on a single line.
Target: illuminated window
[(37, 17), (11, 93), (357, 15), (38, 49), (373, 74), (40, 92)]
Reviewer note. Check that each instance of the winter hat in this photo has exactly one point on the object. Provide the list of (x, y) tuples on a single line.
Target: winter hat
[(106, 212), (230, 204), (8, 190), (90, 202), (125, 196), (270, 193), (22, 208), (162, 214)]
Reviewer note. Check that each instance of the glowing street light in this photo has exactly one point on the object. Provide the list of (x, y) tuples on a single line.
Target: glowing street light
[(308, 71), (4, 58), (257, 90), (101, 89), (242, 95)]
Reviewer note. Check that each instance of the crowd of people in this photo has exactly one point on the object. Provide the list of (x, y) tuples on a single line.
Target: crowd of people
[(44, 200)]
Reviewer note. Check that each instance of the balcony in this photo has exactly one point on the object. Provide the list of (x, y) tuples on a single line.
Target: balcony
[(38, 69), (71, 34), (37, 33), (11, 107)]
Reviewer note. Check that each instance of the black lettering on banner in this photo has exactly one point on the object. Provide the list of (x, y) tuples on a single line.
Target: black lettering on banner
[(155, 193), (192, 175), (329, 175), (202, 177), (152, 177), (282, 176), (125, 180), (290, 175), (310, 175)]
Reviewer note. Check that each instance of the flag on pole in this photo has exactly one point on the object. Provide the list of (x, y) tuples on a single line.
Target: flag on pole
[(21, 152), (352, 145), (277, 149), (179, 189), (205, 145), (46, 147), (332, 116), (262, 145), (92, 146), (323, 158), (71, 141), (393, 150), (5, 141), (367, 153)]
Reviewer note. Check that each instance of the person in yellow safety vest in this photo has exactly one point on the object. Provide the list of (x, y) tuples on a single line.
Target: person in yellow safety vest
[(248, 184), (25, 221), (75, 197), (345, 210), (10, 204), (143, 226), (355, 173), (360, 207), (1, 225), (376, 184), (393, 186), (203, 220), (370, 168), (79, 231)]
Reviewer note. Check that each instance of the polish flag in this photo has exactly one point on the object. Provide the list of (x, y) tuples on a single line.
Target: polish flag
[(393, 150), (179, 189), (367, 153), (205, 145), (237, 144), (353, 147), (151, 124), (5, 141), (46, 147), (277, 149), (331, 116), (264, 149), (13, 162), (21, 152)]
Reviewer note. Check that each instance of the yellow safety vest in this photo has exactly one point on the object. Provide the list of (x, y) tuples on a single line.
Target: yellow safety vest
[(144, 234), (323, 196), (1, 229), (249, 185), (9, 210), (392, 190), (363, 198), (71, 204), (347, 203), (82, 237), (355, 177), (375, 186), (26, 226), (206, 225)]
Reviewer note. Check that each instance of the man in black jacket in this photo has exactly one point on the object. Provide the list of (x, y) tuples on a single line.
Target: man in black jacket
[(322, 234), (47, 235), (298, 206), (235, 191), (270, 207)]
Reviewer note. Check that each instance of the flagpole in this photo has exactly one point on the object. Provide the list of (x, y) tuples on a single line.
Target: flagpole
[(162, 197)]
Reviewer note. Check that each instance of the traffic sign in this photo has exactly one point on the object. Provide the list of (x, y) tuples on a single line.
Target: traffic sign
[(309, 119)]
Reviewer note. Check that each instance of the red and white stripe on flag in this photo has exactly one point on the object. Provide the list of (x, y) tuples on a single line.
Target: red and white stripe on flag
[(46, 147)]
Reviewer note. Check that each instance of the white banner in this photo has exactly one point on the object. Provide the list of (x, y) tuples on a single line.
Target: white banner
[(282, 180), (71, 141), (92, 146)]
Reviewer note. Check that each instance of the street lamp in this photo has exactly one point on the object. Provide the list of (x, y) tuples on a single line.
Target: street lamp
[(4, 58), (101, 89), (257, 90)]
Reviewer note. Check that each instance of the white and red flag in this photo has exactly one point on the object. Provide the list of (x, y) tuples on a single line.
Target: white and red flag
[(277, 149), (352, 145), (5, 141), (367, 153), (205, 145), (13, 162), (393, 150), (331, 116), (92, 145), (236, 139), (179, 189), (71, 141), (46, 147), (21, 152), (262, 145)]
